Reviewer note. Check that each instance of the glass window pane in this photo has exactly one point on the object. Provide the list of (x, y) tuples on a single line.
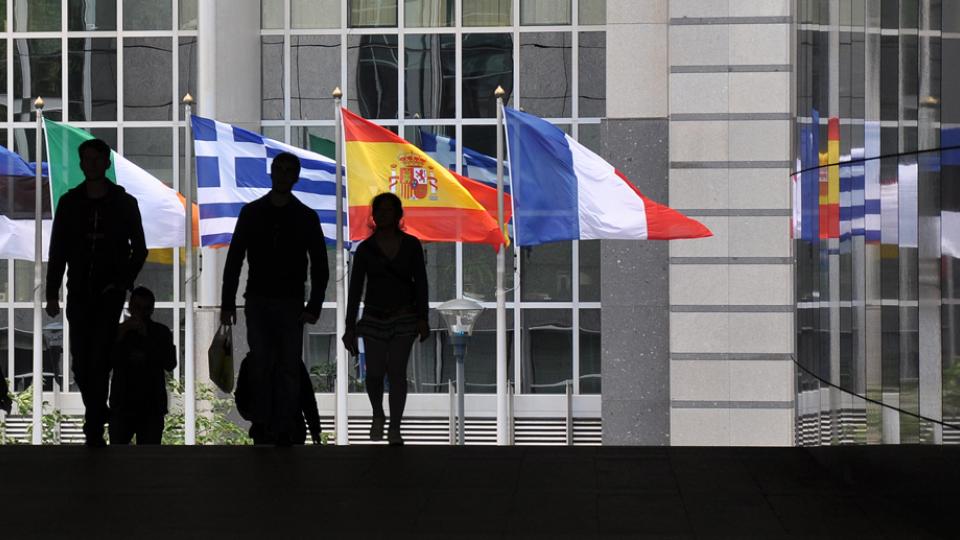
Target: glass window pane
[(590, 382), (545, 273), (52, 343), (271, 86), (430, 76), (90, 16), (547, 348), (440, 257), (589, 270), (321, 352), (373, 13), (534, 12), (421, 13), (487, 63), (480, 364), (487, 12), (593, 11), (3, 79), (152, 150), (36, 16), (314, 72), (187, 67), (315, 138), (592, 71), (147, 74), (315, 13), (545, 83), (271, 14), (188, 14), (4, 293), (147, 15), (92, 78), (372, 62), (36, 72)]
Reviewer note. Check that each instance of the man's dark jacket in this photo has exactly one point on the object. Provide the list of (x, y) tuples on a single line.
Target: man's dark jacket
[(100, 239)]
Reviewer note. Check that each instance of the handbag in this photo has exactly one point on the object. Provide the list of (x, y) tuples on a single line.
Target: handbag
[(220, 359)]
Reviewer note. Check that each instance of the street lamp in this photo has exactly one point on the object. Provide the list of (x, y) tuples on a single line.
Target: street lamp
[(461, 314)]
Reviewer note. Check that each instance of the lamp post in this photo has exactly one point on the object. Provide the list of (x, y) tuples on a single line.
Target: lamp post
[(461, 314)]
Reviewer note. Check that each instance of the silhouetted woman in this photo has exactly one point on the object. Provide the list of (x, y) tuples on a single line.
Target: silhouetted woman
[(390, 263)]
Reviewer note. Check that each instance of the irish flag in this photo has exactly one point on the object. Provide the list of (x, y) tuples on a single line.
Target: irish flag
[(161, 208), (438, 204)]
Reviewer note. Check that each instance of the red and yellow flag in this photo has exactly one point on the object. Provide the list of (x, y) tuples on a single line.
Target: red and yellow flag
[(438, 204)]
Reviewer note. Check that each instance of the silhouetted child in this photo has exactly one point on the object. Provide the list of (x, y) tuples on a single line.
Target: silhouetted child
[(142, 356)]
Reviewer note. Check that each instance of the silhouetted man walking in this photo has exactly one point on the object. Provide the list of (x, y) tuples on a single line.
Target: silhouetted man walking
[(98, 235), (277, 233)]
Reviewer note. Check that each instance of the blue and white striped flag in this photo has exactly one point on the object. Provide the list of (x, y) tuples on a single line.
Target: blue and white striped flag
[(233, 168), (476, 166)]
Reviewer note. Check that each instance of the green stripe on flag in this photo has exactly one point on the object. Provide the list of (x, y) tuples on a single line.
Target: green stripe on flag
[(65, 172)]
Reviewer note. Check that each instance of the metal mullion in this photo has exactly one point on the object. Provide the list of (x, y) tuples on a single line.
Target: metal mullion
[(575, 321), (8, 37), (176, 182), (518, 266), (145, 33), (458, 127), (120, 89), (83, 34), (64, 86), (401, 67), (286, 70), (345, 85), (575, 89), (11, 331)]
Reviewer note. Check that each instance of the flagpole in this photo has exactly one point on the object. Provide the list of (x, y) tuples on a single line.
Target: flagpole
[(503, 434), (38, 283), (340, 414), (189, 369)]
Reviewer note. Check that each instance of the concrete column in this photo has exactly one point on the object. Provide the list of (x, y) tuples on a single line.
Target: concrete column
[(634, 275)]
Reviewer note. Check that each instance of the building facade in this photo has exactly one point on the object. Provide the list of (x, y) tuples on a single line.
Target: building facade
[(876, 236), (704, 104)]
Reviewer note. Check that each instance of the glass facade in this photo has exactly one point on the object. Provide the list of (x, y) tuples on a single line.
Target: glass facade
[(876, 226), (427, 69), (423, 68), (116, 68)]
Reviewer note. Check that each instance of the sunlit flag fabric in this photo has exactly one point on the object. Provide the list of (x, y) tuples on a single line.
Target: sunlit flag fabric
[(17, 219), (162, 209), (439, 205), (233, 168), (563, 191)]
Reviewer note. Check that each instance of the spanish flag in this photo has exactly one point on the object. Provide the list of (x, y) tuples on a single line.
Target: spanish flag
[(438, 204)]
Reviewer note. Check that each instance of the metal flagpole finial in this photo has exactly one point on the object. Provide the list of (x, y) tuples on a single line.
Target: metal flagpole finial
[(499, 92), (188, 99), (337, 93), (39, 103)]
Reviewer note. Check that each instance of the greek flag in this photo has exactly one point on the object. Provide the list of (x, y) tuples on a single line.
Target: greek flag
[(476, 166), (233, 168)]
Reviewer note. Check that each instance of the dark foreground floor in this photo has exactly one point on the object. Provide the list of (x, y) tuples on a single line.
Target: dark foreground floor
[(442, 492)]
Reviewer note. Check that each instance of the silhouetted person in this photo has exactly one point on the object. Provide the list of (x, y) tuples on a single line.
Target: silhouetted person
[(6, 403), (390, 264), (97, 234), (277, 234), (246, 402), (143, 356)]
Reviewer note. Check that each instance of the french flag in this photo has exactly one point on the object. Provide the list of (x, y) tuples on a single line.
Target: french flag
[(563, 191)]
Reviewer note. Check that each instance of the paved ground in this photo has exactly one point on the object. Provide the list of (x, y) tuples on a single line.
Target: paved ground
[(441, 492)]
